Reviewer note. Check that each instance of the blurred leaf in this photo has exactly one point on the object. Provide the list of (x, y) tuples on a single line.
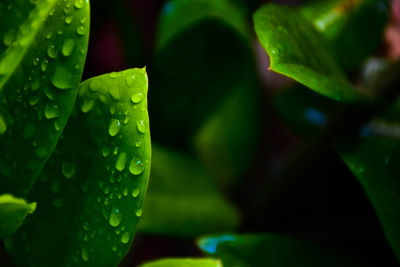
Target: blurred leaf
[(184, 263), (270, 250), (354, 28), (375, 162), (182, 200), (90, 193), (12, 213), (298, 51), (192, 73), (302, 110), (232, 130), (42, 55)]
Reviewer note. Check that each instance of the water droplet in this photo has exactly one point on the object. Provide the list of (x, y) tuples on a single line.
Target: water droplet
[(85, 254), (51, 111), (114, 75), (121, 162), (106, 151), (81, 30), (115, 93), (114, 248), (129, 80), (36, 61), (3, 125), (139, 212), (62, 77), (135, 192), (136, 167), (141, 126), (138, 143), (68, 47), (48, 36), (114, 128), (126, 192), (115, 217), (78, 4), (43, 67), (125, 237), (137, 97), (51, 51), (68, 169), (68, 19), (87, 105)]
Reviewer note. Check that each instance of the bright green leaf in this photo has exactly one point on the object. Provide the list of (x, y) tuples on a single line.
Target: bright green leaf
[(184, 263), (12, 213), (42, 53), (270, 250), (193, 74), (354, 28), (182, 200), (298, 51), (91, 191)]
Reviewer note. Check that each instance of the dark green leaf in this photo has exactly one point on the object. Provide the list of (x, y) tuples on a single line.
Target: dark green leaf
[(182, 199), (91, 191), (192, 72), (227, 142), (353, 27), (298, 51), (184, 263), (375, 163), (41, 61), (12, 213), (270, 250)]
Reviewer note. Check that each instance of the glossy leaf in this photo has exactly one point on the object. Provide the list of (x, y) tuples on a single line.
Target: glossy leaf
[(298, 51), (91, 191), (184, 263), (374, 161), (353, 28), (12, 213), (232, 130), (270, 250), (182, 199), (192, 74), (42, 54)]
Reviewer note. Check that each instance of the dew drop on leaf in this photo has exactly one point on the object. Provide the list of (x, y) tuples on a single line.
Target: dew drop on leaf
[(62, 78), (3, 125), (141, 127), (68, 169), (51, 51), (115, 217), (135, 192), (125, 237), (114, 127), (68, 47), (121, 162), (136, 167), (51, 111), (139, 212), (137, 97)]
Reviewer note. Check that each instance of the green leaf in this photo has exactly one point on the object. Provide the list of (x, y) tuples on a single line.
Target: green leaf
[(42, 54), (353, 28), (270, 250), (184, 263), (303, 110), (12, 213), (374, 161), (192, 73), (182, 200), (298, 51), (91, 191), (232, 130)]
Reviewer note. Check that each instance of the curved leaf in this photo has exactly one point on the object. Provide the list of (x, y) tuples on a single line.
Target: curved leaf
[(231, 131), (270, 250), (182, 200), (374, 161), (192, 73), (184, 263), (12, 213), (91, 191), (41, 64), (298, 51), (353, 28)]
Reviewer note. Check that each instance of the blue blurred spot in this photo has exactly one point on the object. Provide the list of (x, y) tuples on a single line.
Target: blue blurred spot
[(168, 8), (315, 116), (210, 244)]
